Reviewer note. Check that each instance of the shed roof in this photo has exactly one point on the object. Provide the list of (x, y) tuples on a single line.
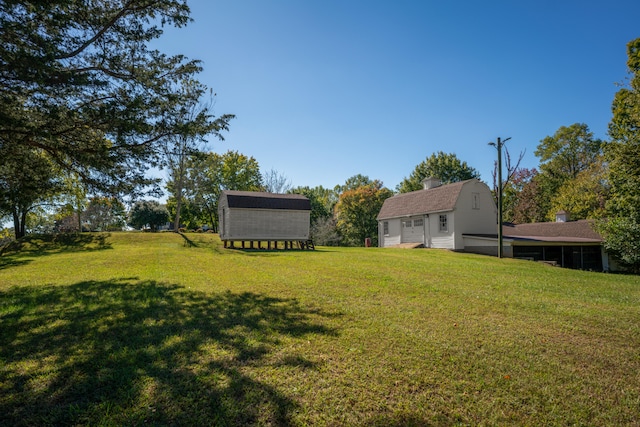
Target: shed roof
[(558, 232), (420, 202), (262, 200), (571, 231)]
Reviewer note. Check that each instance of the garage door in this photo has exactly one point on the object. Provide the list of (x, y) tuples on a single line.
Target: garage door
[(413, 230)]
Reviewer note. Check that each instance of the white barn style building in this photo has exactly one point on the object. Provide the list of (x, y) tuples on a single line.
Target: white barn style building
[(258, 216), (438, 215)]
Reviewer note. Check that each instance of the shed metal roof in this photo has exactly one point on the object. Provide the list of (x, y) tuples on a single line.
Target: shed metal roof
[(262, 200)]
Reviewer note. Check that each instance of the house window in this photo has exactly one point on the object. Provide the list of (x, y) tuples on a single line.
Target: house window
[(406, 224), (418, 222), (385, 228), (476, 201), (443, 223)]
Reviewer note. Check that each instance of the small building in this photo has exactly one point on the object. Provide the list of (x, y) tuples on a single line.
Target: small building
[(565, 243), (258, 216), (462, 216), (438, 215)]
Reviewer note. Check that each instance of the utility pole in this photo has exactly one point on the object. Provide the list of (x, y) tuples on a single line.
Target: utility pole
[(498, 146)]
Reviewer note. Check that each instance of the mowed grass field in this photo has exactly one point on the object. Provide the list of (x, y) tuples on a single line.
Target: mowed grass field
[(169, 329)]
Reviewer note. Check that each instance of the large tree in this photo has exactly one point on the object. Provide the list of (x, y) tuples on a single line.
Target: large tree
[(621, 230), (356, 213), (27, 179), (571, 150), (148, 213), (179, 148), (447, 167), (105, 214), (322, 201), (208, 174), (80, 82), (583, 196)]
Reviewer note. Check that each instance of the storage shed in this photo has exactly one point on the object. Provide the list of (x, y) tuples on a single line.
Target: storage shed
[(250, 216)]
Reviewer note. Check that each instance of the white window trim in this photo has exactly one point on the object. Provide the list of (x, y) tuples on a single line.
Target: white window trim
[(443, 226)]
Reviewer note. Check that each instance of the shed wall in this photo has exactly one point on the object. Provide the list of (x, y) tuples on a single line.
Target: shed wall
[(265, 224)]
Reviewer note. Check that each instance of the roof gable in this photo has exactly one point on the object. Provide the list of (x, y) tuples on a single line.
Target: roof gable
[(439, 199), (261, 200)]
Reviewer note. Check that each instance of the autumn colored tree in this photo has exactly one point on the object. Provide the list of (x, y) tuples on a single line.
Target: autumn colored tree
[(513, 198), (356, 213)]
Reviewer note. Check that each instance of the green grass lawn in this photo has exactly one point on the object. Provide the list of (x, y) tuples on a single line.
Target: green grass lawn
[(168, 329)]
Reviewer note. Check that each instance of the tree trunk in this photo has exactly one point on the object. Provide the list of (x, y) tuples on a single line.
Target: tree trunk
[(19, 220), (79, 218), (176, 224)]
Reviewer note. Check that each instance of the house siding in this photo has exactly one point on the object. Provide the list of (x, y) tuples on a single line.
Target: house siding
[(442, 239), (394, 236), (469, 207), (475, 212)]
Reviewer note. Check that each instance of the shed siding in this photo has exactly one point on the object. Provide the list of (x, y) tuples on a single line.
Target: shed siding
[(266, 224), (223, 217)]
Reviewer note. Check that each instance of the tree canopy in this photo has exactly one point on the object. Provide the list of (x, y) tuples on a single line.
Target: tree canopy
[(621, 229), (356, 212), (148, 213), (207, 174), (568, 152), (80, 83), (447, 167)]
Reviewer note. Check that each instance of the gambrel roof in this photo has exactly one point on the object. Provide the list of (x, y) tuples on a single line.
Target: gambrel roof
[(261, 200), (439, 199)]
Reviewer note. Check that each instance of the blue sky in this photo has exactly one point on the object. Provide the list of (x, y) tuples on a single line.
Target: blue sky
[(324, 90)]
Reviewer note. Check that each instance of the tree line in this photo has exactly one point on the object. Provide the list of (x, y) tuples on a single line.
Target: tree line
[(87, 106)]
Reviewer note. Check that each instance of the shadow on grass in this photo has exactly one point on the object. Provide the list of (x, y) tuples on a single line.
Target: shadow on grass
[(45, 244), (188, 242), (273, 252), (128, 353)]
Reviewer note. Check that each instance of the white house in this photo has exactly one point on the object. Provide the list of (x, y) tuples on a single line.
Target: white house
[(257, 216), (438, 215)]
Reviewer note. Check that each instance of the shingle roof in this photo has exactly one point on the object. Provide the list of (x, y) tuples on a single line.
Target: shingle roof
[(420, 202), (572, 231), (261, 200)]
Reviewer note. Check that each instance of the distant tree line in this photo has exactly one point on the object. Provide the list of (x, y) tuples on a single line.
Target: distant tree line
[(87, 106)]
